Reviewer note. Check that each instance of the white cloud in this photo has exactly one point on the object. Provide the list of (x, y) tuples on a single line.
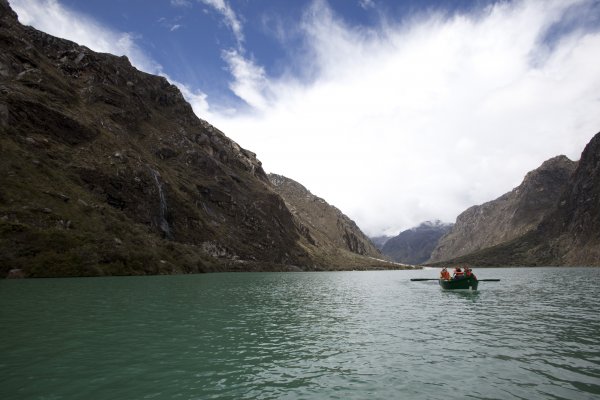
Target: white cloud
[(419, 121), (404, 122), (366, 4), (250, 82), (229, 16), (181, 3), (175, 27)]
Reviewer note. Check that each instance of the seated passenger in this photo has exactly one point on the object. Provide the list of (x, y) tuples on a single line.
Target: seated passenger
[(458, 273), (472, 274), (445, 274), (469, 273)]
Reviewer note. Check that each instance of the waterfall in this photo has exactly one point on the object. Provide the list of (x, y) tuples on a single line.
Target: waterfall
[(163, 223)]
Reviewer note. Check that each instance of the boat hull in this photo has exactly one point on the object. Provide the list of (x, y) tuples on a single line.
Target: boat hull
[(462, 283)]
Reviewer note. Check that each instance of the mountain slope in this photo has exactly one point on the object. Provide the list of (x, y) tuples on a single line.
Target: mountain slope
[(322, 224), (380, 241), (568, 235), (509, 216), (414, 246), (106, 170)]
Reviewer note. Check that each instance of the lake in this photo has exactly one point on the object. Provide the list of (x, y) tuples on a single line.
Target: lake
[(324, 335)]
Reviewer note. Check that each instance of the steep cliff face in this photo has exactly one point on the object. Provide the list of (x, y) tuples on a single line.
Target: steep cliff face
[(106, 169), (574, 228), (568, 235), (414, 246), (323, 225), (511, 215)]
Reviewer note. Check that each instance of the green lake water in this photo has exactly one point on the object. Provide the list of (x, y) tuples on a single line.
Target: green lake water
[(339, 335)]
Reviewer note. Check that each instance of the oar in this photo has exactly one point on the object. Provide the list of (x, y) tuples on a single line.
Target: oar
[(435, 279)]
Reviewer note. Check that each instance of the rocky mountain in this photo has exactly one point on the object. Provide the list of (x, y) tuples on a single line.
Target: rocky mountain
[(571, 233), (509, 216), (568, 235), (106, 170), (414, 246), (322, 224), (380, 241)]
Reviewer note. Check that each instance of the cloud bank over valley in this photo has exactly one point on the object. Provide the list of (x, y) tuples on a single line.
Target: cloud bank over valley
[(401, 121)]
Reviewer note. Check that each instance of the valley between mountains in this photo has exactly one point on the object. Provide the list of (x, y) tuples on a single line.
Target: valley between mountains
[(106, 170)]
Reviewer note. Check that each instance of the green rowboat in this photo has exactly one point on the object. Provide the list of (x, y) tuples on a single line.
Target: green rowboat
[(469, 283)]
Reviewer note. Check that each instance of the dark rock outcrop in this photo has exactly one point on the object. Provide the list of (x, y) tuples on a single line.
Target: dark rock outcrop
[(414, 246), (151, 188), (509, 216), (572, 231)]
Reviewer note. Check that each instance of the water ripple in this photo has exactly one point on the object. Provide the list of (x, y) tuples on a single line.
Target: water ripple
[(302, 336)]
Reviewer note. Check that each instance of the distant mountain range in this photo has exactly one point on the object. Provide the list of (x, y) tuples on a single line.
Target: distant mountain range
[(106, 170), (552, 218), (414, 246), (380, 241)]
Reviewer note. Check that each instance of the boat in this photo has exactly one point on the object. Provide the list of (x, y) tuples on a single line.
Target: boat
[(463, 283), (468, 283)]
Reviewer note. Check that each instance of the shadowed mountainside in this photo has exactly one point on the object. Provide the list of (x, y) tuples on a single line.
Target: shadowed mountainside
[(509, 216), (569, 234), (322, 224), (106, 170)]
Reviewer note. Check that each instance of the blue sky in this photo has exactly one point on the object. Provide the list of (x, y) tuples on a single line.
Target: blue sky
[(396, 112), (187, 37)]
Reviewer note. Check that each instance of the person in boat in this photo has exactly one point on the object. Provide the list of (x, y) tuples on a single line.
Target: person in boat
[(458, 273), (469, 273), (445, 275)]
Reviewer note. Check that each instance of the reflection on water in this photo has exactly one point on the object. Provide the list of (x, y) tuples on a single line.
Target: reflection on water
[(472, 295), (351, 335)]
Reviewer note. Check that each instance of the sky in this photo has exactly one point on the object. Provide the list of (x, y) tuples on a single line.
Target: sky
[(395, 111)]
